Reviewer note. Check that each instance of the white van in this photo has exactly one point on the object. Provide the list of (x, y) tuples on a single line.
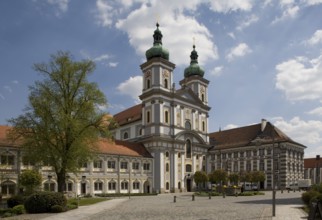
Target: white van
[(249, 186)]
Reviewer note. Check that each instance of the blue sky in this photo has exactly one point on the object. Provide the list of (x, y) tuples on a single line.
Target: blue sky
[(263, 58)]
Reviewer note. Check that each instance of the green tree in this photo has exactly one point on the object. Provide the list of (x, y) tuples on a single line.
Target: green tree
[(257, 176), (200, 177), (245, 176), (218, 176), (234, 178), (30, 180), (62, 121)]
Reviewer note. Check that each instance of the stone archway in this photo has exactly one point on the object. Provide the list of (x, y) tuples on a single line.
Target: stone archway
[(146, 187)]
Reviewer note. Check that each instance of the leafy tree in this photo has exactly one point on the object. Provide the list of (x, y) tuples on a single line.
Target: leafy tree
[(200, 177), (30, 179), (245, 176), (62, 121), (218, 176), (257, 176), (234, 178)]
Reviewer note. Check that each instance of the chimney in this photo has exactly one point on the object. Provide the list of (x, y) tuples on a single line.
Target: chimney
[(263, 124)]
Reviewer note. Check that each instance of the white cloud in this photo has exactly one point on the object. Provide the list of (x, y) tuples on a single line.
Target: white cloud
[(8, 88), (102, 58), (300, 78), (113, 64), (131, 87), (316, 38), (230, 126), (105, 13), (216, 71), (62, 6), (240, 50), (307, 133), (247, 22), (232, 35), (15, 82), (313, 2), (289, 12), (172, 23), (230, 5), (316, 111), (2, 97)]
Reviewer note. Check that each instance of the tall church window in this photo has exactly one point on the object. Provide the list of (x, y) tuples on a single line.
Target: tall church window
[(148, 117), (188, 149), (202, 97), (167, 186), (167, 167), (166, 154), (166, 83), (188, 168), (166, 116), (203, 126), (125, 135), (188, 125), (148, 83)]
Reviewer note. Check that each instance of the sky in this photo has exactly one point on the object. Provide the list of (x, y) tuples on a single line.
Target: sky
[(263, 58)]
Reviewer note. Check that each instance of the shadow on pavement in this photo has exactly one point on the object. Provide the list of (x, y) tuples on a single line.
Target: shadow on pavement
[(279, 201)]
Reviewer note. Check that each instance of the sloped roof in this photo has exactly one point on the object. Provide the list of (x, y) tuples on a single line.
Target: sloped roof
[(104, 146), (312, 163), (123, 148), (243, 136), (129, 115)]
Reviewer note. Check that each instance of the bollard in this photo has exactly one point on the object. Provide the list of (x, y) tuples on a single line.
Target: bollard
[(209, 195), (223, 195), (281, 190), (174, 199), (193, 197), (288, 190), (236, 194), (293, 190)]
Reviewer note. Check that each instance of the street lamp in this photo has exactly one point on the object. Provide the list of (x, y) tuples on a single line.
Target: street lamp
[(273, 176)]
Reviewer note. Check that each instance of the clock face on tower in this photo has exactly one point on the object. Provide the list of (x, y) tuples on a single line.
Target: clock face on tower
[(165, 73), (147, 73)]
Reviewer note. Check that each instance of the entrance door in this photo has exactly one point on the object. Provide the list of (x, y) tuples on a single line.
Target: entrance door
[(188, 184), (83, 188)]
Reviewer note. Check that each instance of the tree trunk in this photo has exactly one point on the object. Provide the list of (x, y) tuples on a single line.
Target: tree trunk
[(61, 176)]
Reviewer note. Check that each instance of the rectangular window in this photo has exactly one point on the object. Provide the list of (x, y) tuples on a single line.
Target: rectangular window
[(261, 152), (136, 185), (111, 164), (112, 185), (135, 165), (261, 165), (26, 161), (98, 186), (98, 164), (146, 166), (124, 165), (7, 159), (69, 187), (248, 166), (124, 185)]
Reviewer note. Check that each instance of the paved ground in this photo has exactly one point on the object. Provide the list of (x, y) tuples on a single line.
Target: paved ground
[(163, 207)]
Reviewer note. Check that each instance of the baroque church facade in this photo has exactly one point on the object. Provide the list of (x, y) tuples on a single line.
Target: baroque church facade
[(161, 142)]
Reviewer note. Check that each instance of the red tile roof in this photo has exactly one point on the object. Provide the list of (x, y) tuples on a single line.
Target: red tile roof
[(104, 146), (243, 136), (129, 115), (125, 148), (312, 162)]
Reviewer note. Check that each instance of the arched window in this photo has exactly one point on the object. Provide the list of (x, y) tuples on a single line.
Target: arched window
[(124, 185), (166, 154), (98, 185), (188, 125), (166, 117), (8, 188), (140, 131), (69, 186), (188, 168), (179, 185), (167, 186), (136, 185), (112, 185), (203, 126), (202, 97), (188, 149), (49, 186), (179, 155), (148, 84), (125, 135), (167, 167), (166, 83), (148, 117)]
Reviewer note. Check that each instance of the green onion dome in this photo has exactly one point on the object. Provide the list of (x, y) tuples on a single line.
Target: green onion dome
[(194, 68), (157, 50)]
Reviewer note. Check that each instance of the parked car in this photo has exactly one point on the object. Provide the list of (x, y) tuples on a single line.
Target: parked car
[(292, 186), (249, 186)]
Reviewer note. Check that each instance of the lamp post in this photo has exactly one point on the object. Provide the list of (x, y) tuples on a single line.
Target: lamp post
[(273, 176)]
